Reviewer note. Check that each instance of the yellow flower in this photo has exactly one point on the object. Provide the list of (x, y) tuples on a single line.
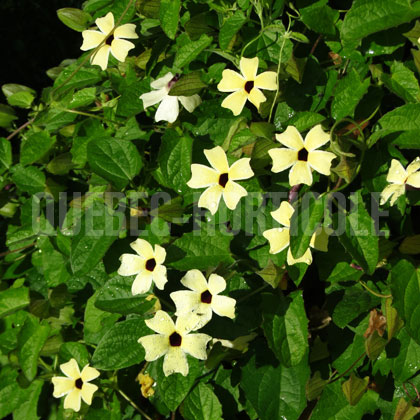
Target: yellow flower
[(147, 265), (279, 238), (75, 385), (246, 86), (202, 299), (116, 44), (302, 156), (398, 177), (219, 180), (174, 342)]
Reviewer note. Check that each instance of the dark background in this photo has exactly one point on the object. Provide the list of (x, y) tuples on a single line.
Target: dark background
[(33, 40)]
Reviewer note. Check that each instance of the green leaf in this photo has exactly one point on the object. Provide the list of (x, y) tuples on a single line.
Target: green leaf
[(200, 249), (31, 339), (83, 97), (119, 347), (188, 52), (97, 230), (5, 154), (75, 19), (359, 238), (320, 17), (29, 407), (53, 119), (188, 85), (369, 16), (74, 350), (230, 27), (118, 161), (85, 77), (275, 392), (61, 164), (333, 405), (7, 115), (9, 89), (149, 8), (169, 16), (175, 160), (305, 220), (35, 147), (354, 388), (314, 386), (21, 99), (11, 300), (10, 391), (405, 286), (202, 404), (116, 296), (272, 274), (286, 327), (405, 410), (402, 82), (347, 94)]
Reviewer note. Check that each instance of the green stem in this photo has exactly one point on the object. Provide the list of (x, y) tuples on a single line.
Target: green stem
[(134, 405), (254, 292), (330, 381), (379, 295)]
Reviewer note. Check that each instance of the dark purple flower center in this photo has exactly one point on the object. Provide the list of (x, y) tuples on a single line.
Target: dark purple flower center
[(174, 80), (175, 339), (109, 40), (248, 86), (150, 264), (303, 155), (223, 179), (79, 383), (206, 297)]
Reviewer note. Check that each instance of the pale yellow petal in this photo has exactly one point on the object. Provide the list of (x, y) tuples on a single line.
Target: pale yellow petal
[(216, 284), (91, 39), (126, 31), (130, 264), (142, 282), (256, 97), (62, 386), (100, 58), (162, 82), (143, 248), (249, 67), (392, 190), (291, 138), (414, 166), (232, 193), (161, 323), (305, 258), (89, 373), (190, 102), (396, 174), (160, 277), (195, 345), (300, 174), (282, 158), (321, 161), (266, 80), (186, 301), (283, 214), (195, 280), (240, 169), (278, 238), (120, 49), (194, 320), (106, 23), (155, 346), (160, 254), (231, 81), (210, 198), (235, 101), (175, 361), (202, 176), (71, 369), (153, 97), (87, 392), (168, 110), (320, 238), (414, 180), (73, 400), (316, 138), (224, 306), (217, 159)]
